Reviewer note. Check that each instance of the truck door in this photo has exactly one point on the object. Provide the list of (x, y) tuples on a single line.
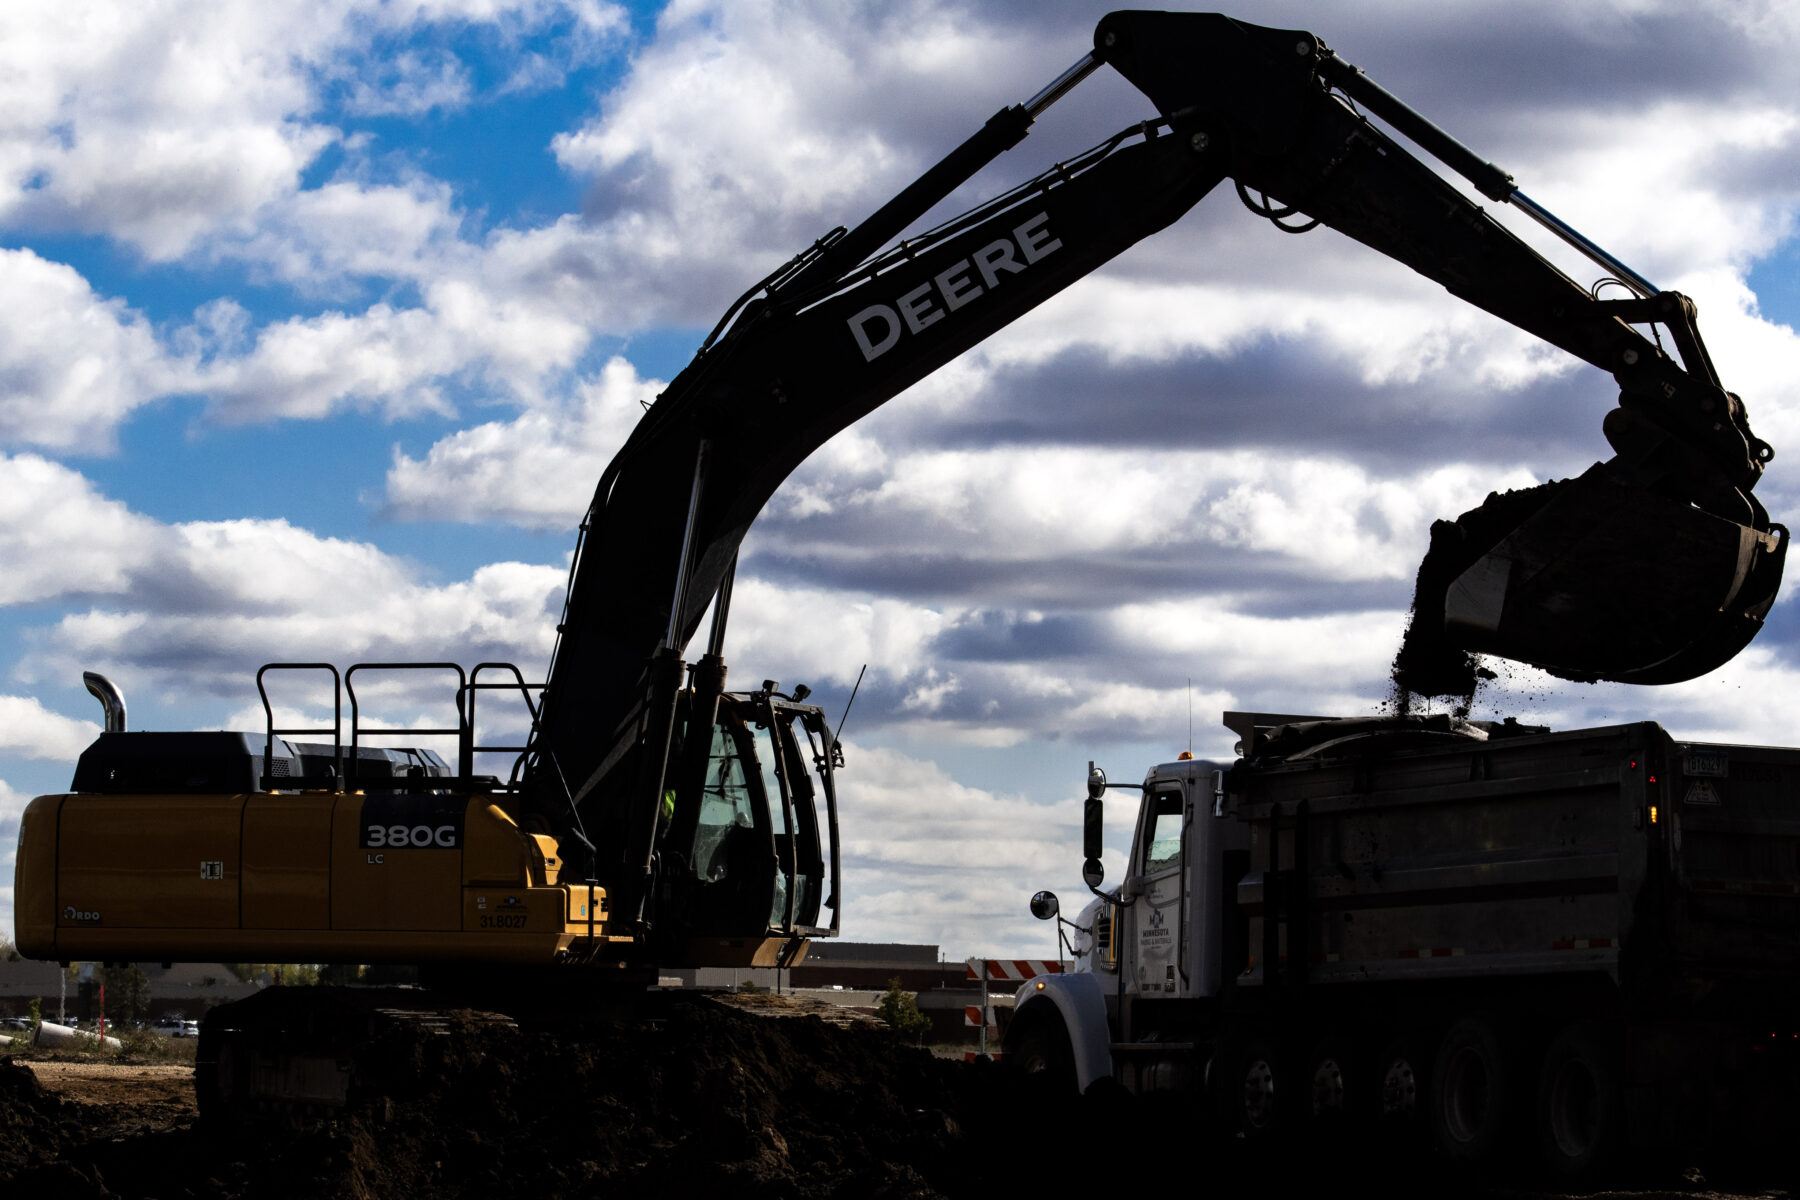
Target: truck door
[(1162, 842)]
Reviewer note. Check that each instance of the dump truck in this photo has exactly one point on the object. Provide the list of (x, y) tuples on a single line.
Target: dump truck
[(1489, 934), (653, 815)]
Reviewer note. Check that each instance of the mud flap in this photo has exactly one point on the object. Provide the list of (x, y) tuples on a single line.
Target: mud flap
[(1600, 579)]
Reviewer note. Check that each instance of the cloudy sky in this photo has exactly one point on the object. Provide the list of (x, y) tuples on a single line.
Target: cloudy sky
[(321, 320)]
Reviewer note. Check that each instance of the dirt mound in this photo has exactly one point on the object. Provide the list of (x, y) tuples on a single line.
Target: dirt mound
[(694, 1096), (686, 1095), (37, 1133), (29, 1119)]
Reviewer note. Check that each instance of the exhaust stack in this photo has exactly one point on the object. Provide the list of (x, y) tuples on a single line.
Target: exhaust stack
[(108, 694)]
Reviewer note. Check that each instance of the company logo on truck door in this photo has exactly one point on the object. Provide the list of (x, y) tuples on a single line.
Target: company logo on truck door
[(877, 328), (412, 823)]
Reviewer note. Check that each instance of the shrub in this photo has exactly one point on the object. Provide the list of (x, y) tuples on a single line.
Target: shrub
[(900, 1010)]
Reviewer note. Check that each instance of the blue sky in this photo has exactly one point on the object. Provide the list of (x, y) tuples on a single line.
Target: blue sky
[(325, 318)]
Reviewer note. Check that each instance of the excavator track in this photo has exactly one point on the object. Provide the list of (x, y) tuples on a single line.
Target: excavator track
[(293, 1056), (296, 1055)]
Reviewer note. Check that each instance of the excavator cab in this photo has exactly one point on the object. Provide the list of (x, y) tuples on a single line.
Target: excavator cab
[(746, 848)]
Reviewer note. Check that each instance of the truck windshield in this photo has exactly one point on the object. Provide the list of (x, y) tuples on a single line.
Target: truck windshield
[(1162, 848)]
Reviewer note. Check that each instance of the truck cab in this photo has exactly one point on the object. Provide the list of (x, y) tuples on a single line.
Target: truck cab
[(1153, 956), (1166, 927)]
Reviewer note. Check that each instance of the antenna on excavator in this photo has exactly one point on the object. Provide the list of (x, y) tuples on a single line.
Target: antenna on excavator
[(848, 703)]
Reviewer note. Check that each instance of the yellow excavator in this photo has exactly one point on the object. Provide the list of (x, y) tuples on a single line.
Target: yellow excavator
[(654, 815)]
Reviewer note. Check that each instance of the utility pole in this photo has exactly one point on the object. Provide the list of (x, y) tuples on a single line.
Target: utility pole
[(984, 1006)]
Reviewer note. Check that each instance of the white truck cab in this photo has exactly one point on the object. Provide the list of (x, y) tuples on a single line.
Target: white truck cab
[(1157, 936)]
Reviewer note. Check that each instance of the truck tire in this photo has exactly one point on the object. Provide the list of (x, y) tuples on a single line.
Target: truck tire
[(1580, 1115), (1473, 1091), (1037, 1043), (1400, 1081), (1255, 1093), (221, 1079), (1336, 1088)]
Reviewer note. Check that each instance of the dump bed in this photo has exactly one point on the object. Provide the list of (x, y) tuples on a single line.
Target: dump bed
[(1733, 833), (1614, 850)]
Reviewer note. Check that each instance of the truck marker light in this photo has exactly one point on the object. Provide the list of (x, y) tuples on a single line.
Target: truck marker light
[(1040, 985), (1653, 814)]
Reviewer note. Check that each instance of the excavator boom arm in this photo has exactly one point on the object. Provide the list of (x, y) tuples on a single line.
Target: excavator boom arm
[(836, 333)]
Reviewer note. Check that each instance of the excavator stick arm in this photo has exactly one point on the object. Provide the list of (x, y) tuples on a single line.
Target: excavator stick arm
[(1654, 567)]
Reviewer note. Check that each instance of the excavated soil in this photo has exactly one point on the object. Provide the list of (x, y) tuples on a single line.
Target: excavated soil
[(1428, 663), (686, 1096)]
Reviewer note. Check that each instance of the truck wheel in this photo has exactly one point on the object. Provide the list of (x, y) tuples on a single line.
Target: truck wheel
[(1401, 1083), (1255, 1089), (1472, 1091), (1580, 1108), (1037, 1043), (220, 1090), (1335, 1087)]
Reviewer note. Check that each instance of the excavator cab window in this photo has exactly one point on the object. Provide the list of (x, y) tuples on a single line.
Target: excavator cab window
[(756, 843), (727, 809), (794, 819)]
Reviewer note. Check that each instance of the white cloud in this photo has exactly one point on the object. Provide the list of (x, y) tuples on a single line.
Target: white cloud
[(73, 364), (1063, 507), (929, 859), (196, 606), (61, 539), (12, 805), (115, 127), (30, 730), (343, 603), (351, 228), (537, 470)]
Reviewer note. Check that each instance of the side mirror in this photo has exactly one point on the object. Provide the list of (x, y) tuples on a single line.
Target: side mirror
[(1044, 906), (1093, 827), (1092, 873), (1096, 782)]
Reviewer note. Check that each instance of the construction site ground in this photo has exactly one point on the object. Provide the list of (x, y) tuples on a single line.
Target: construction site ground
[(823, 1103)]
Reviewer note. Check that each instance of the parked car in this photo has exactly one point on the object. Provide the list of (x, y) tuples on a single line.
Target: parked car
[(185, 1029), (15, 1023)]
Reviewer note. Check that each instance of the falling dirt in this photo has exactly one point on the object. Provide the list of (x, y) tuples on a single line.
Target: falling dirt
[(1428, 663)]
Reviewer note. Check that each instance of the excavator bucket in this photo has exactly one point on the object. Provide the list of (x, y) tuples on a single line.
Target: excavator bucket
[(1592, 578)]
